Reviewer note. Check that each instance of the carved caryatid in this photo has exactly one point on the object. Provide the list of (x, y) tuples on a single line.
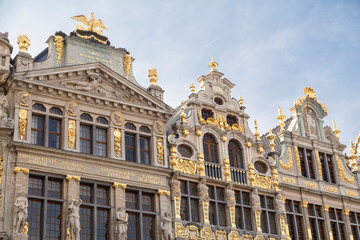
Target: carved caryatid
[(4, 107), (167, 231), (21, 212), (121, 224), (176, 193), (230, 202), (280, 212), (256, 208), (73, 219), (203, 191)]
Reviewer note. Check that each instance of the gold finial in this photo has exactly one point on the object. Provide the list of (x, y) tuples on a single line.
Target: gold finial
[(213, 64), (271, 137), (183, 114), (153, 77), (192, 88), (241, 101), (336, 131), (24, 43), (257, 133), (281, 117), (91, 24)]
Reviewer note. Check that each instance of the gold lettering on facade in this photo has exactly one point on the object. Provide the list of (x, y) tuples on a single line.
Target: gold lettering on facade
[(71, 133), (23, 115), (117, 141)]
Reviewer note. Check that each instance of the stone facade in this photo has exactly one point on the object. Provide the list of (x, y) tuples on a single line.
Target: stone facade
[(81, 139)]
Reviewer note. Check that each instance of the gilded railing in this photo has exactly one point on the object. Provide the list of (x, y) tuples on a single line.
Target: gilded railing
[(213, 170), (238, 176)]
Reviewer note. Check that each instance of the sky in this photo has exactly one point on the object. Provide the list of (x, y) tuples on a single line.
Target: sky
[(271, 50)]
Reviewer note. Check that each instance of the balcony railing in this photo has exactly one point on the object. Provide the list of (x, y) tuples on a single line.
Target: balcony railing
[(213, 170), (238, 176)]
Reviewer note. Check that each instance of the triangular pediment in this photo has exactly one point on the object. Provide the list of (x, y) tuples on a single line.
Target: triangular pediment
[(96, 80)]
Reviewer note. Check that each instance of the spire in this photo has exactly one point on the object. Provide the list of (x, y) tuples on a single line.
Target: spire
[(281, 117)]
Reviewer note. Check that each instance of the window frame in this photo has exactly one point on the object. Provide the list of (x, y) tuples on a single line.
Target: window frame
[(355, 224), (265, 213), (188, 198), (328, 171), (208, 157), (307, 165), (234, 151), (338, 222), (217, 201), (242, 206), (319, 220), (295, 217), (37, 130)]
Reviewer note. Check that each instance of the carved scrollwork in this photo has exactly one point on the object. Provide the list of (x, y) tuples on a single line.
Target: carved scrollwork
[(289, 164), (185, 166)]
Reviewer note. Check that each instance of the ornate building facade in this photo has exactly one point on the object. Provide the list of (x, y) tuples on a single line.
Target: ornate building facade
[(88, 153)]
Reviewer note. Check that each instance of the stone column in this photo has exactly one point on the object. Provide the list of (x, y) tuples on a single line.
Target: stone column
[(327, 222), (307, 227), (348, 224)]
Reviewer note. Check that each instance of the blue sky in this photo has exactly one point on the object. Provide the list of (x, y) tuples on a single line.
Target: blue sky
[(271, 50)]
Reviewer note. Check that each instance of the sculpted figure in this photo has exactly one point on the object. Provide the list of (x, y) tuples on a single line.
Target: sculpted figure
[(4, 106), (160, 150), (91, 85), (73, 219), (121, 224), (311, 123), (255, 200), (21, 209), (167, 232), (203, 191), (230, 196), (279, 204), (175, 186)]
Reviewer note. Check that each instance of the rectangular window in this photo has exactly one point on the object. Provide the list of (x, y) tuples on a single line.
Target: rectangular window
[(337, 224), (268, 223), (100, 145), (231, 120), (327, 167), (205, 114), (306, 163), (243, 211), (355, 225), (94, 211), (294, 219), (189, 210), (217, 206), (45, 207), (317, 223), (140, 207), (54, 133), (37, 130), (145, 150), (85, 139), (130, 148)]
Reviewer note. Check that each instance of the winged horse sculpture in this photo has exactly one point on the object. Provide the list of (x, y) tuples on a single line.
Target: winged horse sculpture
[(91, 23)]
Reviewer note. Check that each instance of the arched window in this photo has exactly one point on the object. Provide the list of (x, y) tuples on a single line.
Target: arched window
[(235, 154), (55, 110), (102, 120), (145, 129), (130, 126), (39, 107), (86, 117), (210, 149)]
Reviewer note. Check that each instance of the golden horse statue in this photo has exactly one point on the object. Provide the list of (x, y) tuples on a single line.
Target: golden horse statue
[(91, 23)]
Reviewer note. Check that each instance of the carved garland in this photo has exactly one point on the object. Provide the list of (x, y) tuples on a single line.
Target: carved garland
[(23, 114), (289, 164), (117, 141), (319, 163), (298, 159), (342, 173), (262, 182), (185, 166), (127, 64), (71, 133), (59, 45), (220, 122), (160, 151)]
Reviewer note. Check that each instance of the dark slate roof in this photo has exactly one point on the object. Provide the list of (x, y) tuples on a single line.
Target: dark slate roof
[(277, 139), (42, 56)]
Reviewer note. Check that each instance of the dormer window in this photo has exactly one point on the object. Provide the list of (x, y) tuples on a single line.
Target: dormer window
[(231, 120), (206, 113)]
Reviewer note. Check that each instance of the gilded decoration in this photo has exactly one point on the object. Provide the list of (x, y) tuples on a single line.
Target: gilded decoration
[(336, 131), (331, 189), (153, 76), (289, 180), (227, 173), (177, 201), (251, 174), (116, 118), (192, 232), (160, 150), (207, 233), (185, 166), (309, 93), (72, 109), (351, 193), (275, 180), (127, 64), (24, 98), (90, 24), (71, 133), (173, 157), (257, 133), (163, 192), (201, 167), (59, 45), (289, 164), (192, 88), (220, 122), (23, 115), (24, 43), (76, 178), (213, 64), (179, 229), (159, 127), (221, 235), (298, 159), (119, 185), (305, 203), (326, 208), (318, 163), (261, 181), (117, 141), (1, 168), (246, 237), (342, 173), (346, 211), (271, 137), (281, 117), (25, 228), (310, 185), (23, 170)]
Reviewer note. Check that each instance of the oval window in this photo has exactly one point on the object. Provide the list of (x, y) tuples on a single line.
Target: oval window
[(185, 151), (260, 167), (218, 101)]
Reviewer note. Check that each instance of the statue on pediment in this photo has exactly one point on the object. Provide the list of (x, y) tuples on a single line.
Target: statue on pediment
[(4, 107), (89, 83), (310, 122)]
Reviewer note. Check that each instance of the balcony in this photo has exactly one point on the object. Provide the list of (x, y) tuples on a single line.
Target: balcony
[(213, 170), (238, 176)]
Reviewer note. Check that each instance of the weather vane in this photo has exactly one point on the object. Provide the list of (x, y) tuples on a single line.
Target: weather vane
[(90, 24)]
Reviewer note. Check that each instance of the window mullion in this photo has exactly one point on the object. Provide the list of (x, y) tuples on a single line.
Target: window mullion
[(93, 139), (46, 131), (306, 162), (94, 207), (137, 148), (44, 213)]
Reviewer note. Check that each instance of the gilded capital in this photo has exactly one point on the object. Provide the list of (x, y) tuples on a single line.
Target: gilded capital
[(19, 169), (305, 203), (326, 208), (121, 185), (163, 192), (346, 211), (76, 178)]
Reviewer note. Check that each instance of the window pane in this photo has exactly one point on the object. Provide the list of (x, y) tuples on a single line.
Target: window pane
[(238, 218), (86, 193), (144, 150), (247, 216), (147, 202), (100, 147), (194, 210), (131, 200), (54, 133), (37, 130), (85, 139), (221, 211), (86, 117), (272, 222), (133, 226), (193, 189), (212, 213), (220, 194), (86, 223), (183, 187), (102, 224), (55, 110), (148, 227), (264, 222), (34, 219), (102, 196), (53, 220), (130, 148), (36, 186), (184, 209), (54, 188)]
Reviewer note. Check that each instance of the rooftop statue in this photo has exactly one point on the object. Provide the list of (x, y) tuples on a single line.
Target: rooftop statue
[(91, 23)]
